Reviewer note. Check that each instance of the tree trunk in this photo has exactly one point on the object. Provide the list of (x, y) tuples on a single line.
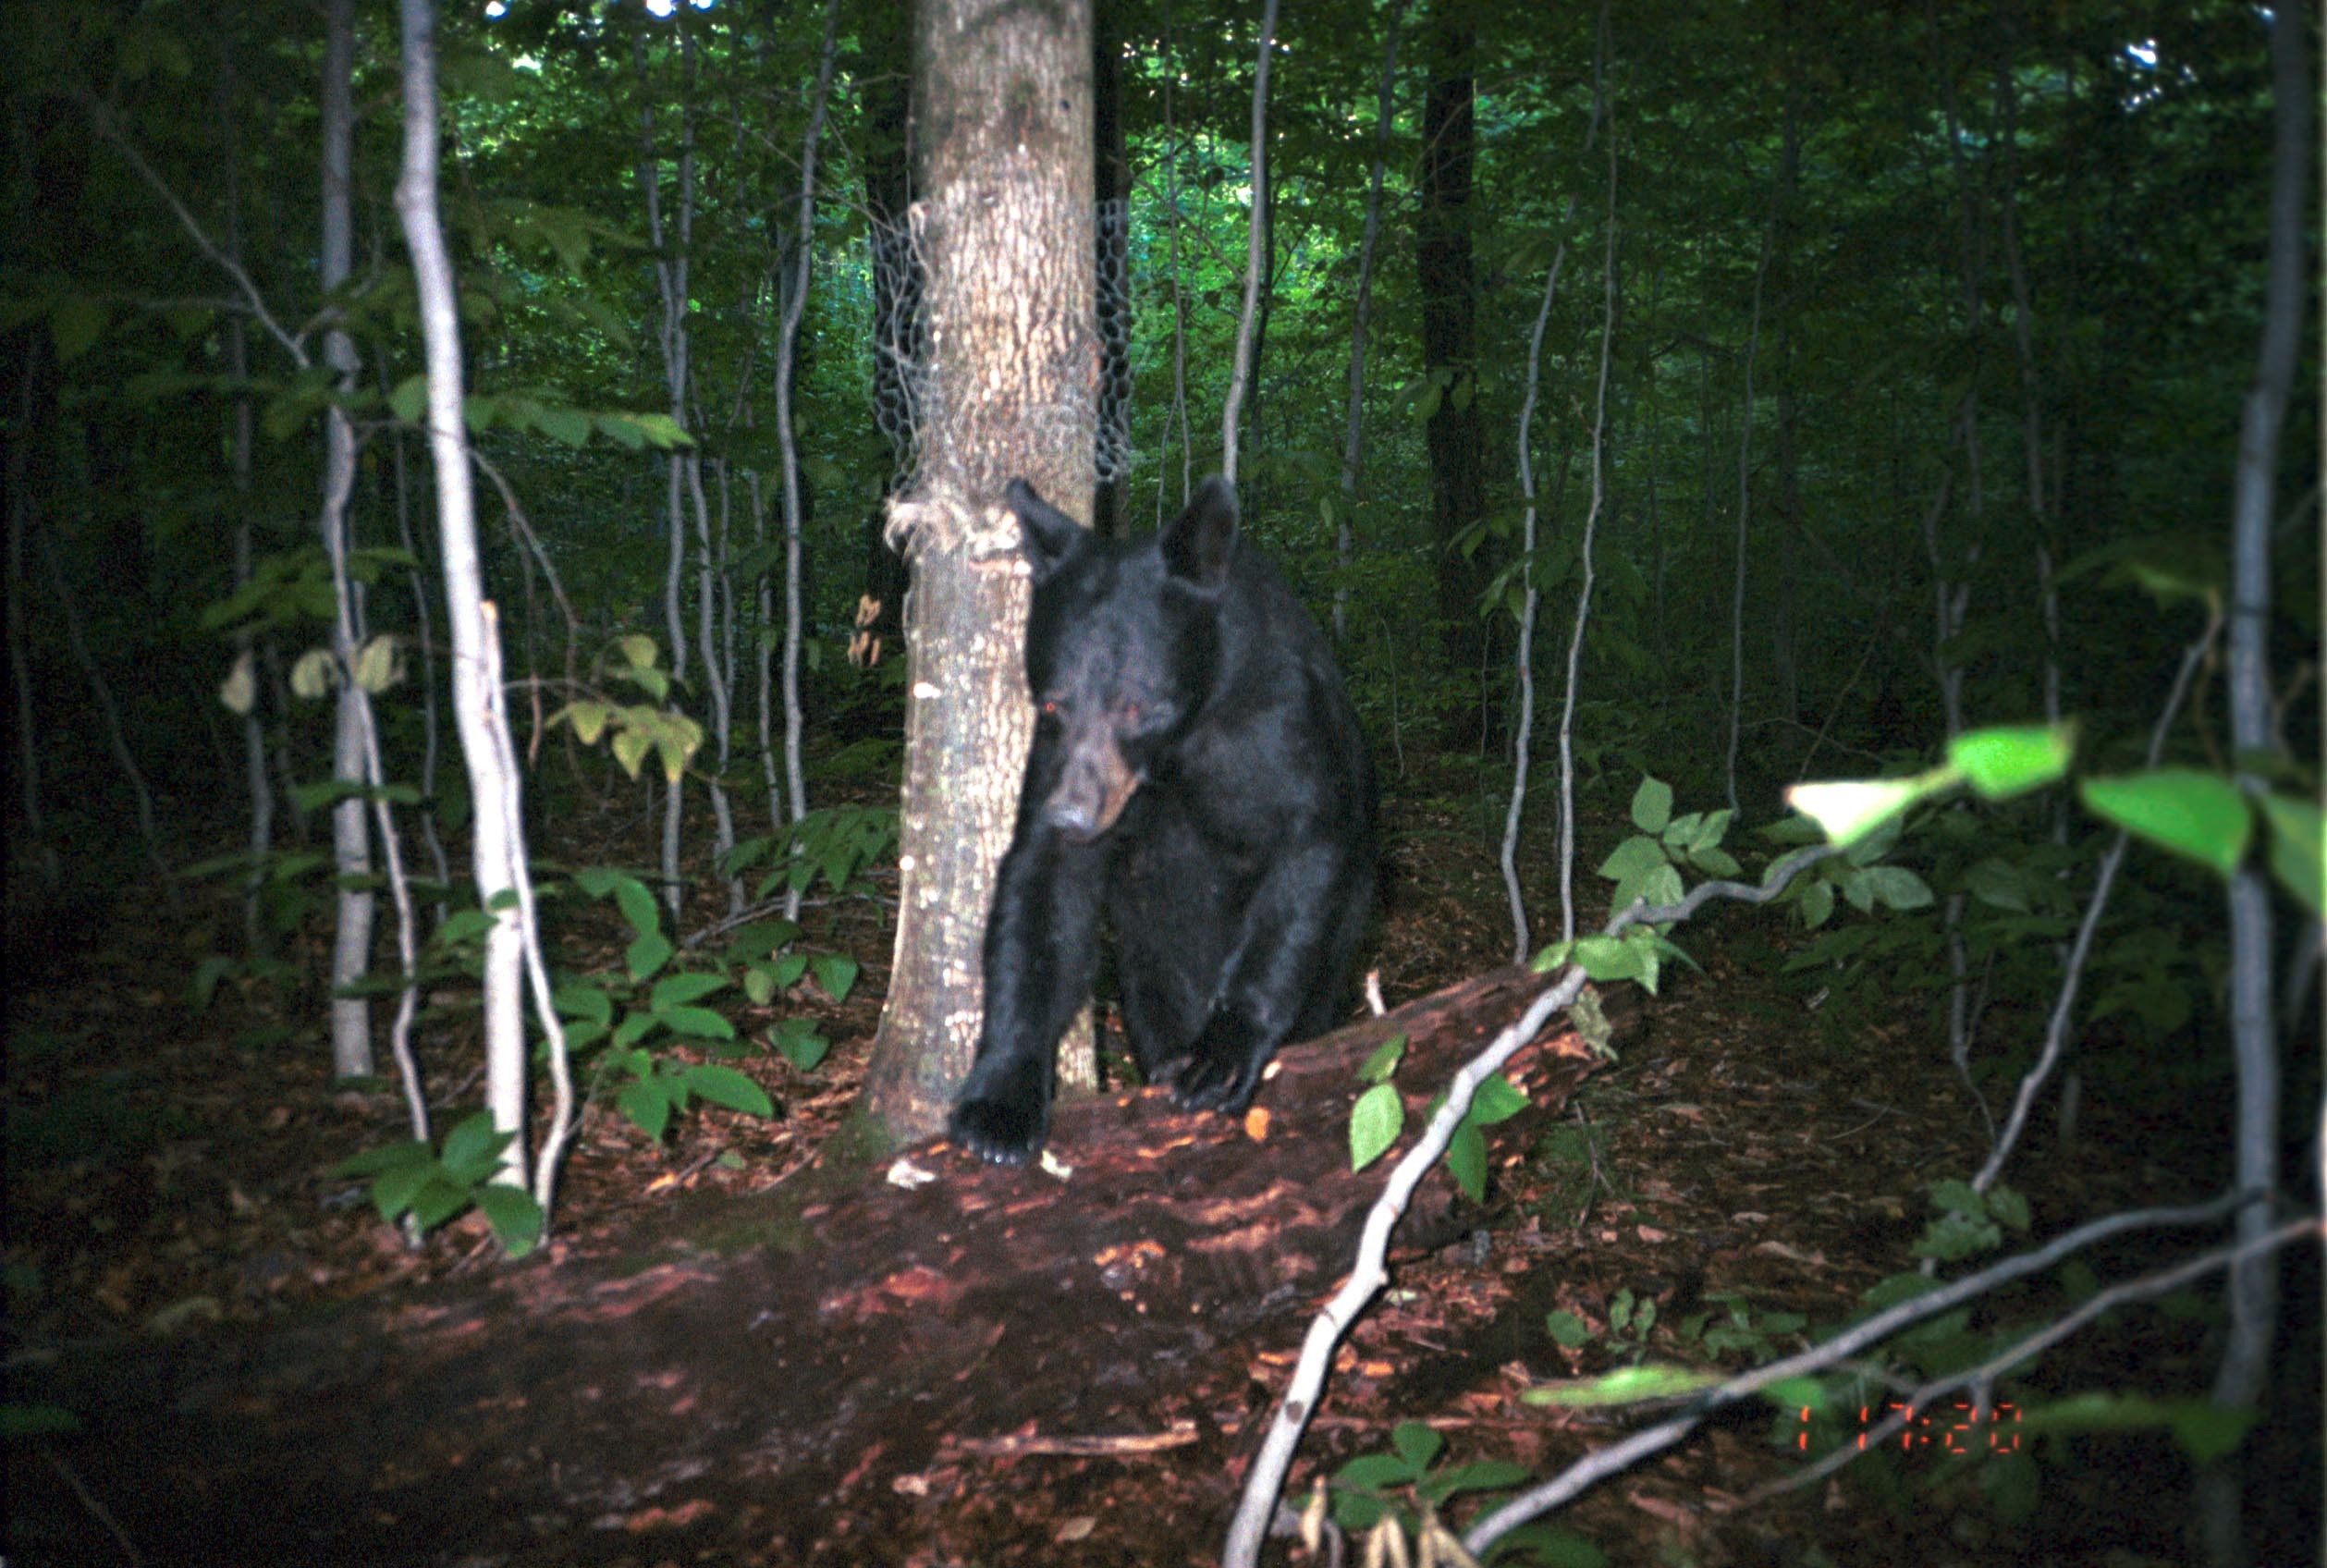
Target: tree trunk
[(886, 41), (1353, 436), (1442, 255), (1007, 238), (352, 848)]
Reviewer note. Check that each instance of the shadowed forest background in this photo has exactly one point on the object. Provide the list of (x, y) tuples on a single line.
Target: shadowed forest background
[(1727, 398)]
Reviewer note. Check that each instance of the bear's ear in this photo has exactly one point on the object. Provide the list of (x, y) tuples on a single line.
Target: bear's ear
[(1198, 543), (1047, 536)]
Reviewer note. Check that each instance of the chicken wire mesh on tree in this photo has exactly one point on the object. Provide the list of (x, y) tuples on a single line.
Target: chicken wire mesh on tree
[(900, 338)]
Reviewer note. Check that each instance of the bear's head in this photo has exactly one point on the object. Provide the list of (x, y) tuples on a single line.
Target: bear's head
[(1121, 644)]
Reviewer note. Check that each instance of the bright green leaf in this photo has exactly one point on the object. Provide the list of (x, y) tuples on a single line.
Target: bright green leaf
[(647, 1104), (676, 990), (1496, 1100), (1466, 1161), (1416, 1442), (1374, 1123), (1652, 806), (2296, 853), (836, 973), (1378, 1067), (2001, 762), (695, 1023), (1848, 810), (2200, 815), (516, 1218), (724, 1085), (648, 954)]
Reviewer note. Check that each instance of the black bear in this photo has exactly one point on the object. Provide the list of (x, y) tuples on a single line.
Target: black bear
[(1198, 782)]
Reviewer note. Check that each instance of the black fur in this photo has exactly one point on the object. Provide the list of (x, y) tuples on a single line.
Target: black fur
[(1197, 779)]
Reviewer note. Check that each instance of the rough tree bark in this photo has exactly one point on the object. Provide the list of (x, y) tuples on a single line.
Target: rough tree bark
[(1007, 238)]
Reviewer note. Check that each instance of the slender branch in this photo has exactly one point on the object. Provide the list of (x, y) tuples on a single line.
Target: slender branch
[(1265, 1480), (1255, 256), (2065, 1005), (1619, 1456), (101, 119), (1520, 744), (2145, 1288), (1591, 516)]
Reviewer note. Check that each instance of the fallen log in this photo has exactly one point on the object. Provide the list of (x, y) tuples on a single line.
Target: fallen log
[(768, 1375)]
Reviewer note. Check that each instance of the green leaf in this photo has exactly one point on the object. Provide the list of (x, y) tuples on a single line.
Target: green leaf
[(1568, 1330), (1479, 1476), (647, 1104), (239, 692), (1466, 1161), (630, 895), (2296, 847), (662, 430), (315, 675), (2003, 763), (800, 1043), (696, 1022), (724, 1085), (571, 426), (579, 999), (516, 1218), (2007, 1204), (394, 1190), (648, 954), (1378, 1067), (1374, 1123), (588, 718), (1497, 1100), (379, 664), (1848, 811), (1607, 957), (1417, 1443), (19, 1421), (1629, 1385), (1716, 862), (76, 323), (409, 400), (2200, 815), (836, 973), (1636, 856), (473, 1145), (203, 986), (438, 1200), (676, 990), (1652, 806)]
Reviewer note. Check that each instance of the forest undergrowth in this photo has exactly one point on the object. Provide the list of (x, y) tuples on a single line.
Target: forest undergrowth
[(1737, 1158)]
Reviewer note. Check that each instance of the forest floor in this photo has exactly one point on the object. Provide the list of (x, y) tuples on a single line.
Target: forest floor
[(167, 1183)]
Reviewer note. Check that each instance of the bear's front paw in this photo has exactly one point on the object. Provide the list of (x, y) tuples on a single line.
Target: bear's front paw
[(1005, 1130), (1213, 1081)]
